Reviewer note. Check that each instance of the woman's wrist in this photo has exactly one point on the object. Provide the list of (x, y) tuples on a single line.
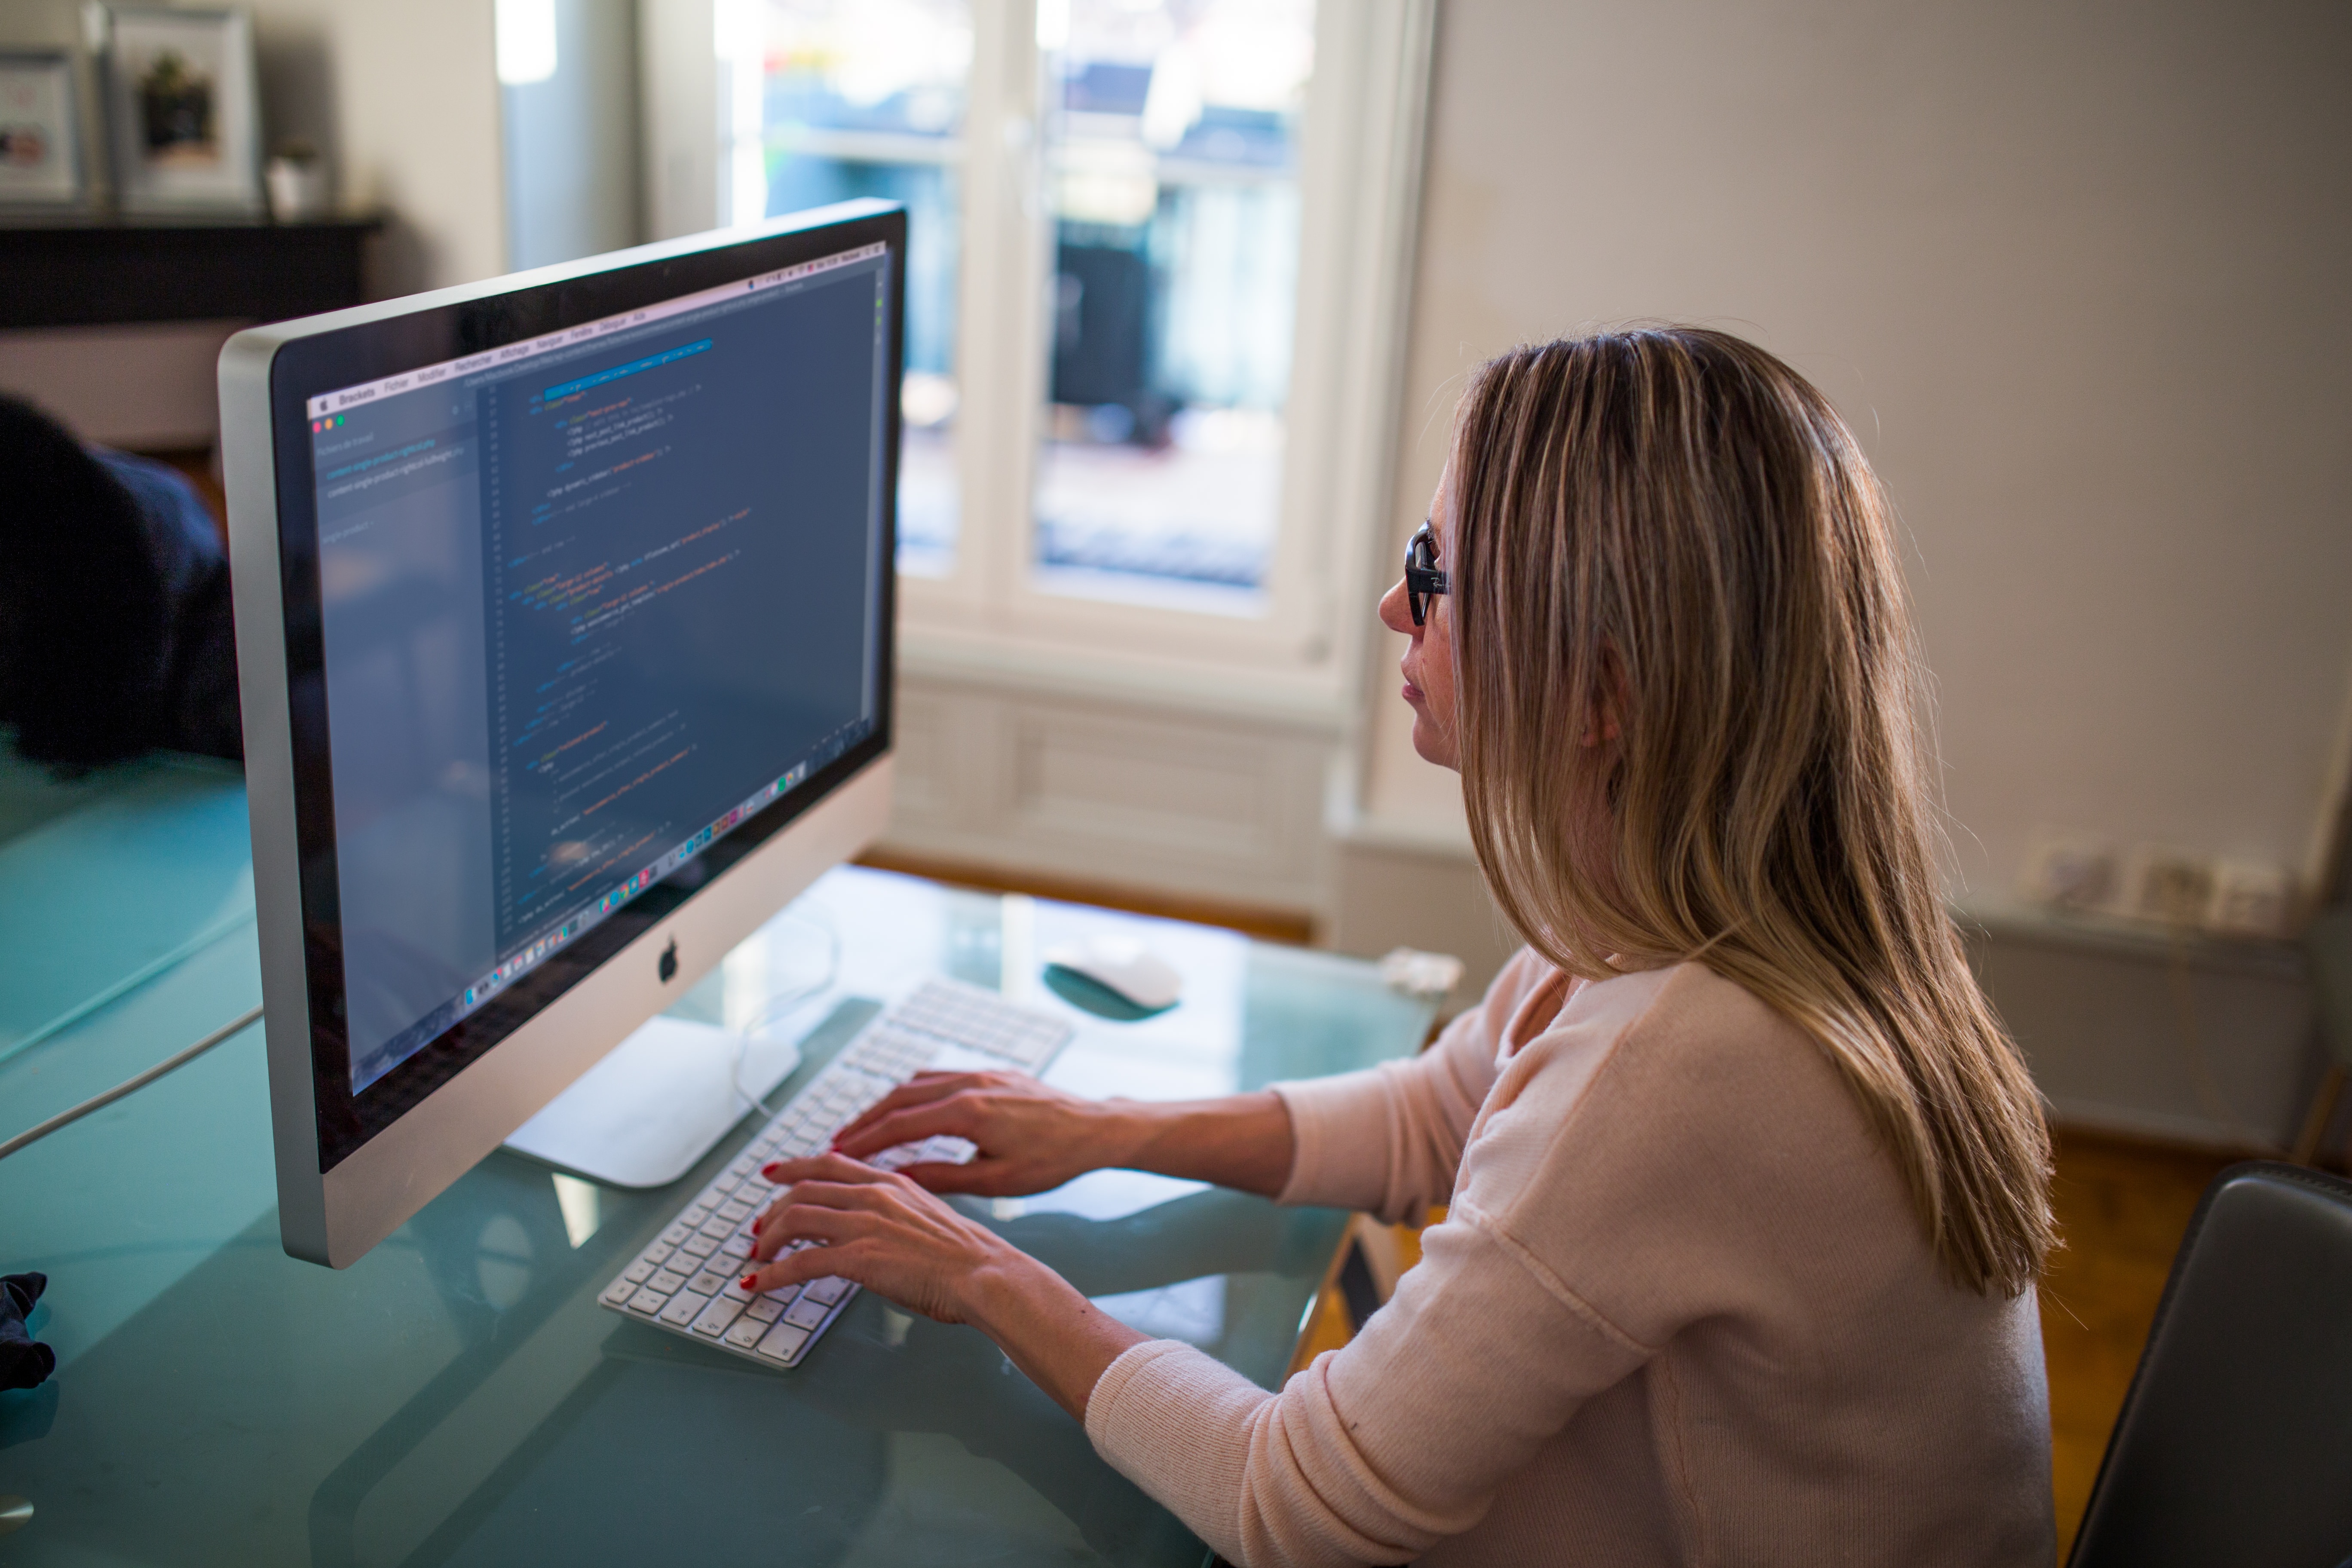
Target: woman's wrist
[(1243, 1140), (1060, 1340)]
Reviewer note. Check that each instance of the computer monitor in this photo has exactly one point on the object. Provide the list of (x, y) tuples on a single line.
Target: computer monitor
[(564, 621)]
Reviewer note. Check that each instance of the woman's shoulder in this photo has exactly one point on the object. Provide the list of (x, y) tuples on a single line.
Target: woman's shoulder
[(1674, 1124), (1675, 1067)]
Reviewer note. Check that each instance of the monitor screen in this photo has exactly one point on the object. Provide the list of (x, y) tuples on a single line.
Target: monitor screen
[(597, 607)]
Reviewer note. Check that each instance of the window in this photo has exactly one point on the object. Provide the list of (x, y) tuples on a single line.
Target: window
[(1154, 303), (1172, 161), (866, 98)]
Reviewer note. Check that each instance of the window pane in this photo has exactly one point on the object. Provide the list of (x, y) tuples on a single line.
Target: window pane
[(866, 98), (1173, 148)]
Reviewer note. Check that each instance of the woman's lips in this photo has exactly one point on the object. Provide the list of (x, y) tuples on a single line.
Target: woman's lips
[(1411, 693)]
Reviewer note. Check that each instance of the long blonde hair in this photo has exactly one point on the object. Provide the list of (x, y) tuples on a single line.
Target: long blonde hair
[(1672, 527)]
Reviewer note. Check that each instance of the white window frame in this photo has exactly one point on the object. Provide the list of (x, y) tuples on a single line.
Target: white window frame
[(1359, 184)]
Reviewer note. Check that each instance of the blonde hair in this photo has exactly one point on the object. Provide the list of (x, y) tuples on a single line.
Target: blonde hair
[(1670, 528)]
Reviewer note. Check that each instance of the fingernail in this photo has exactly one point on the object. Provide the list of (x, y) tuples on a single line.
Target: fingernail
[(770, 1168), (749, 1280)]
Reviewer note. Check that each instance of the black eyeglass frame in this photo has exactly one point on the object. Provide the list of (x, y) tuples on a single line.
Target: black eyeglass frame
[(1423, 579)]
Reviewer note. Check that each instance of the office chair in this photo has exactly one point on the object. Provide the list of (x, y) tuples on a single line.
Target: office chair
[(2328, 945), (2235, 1442)]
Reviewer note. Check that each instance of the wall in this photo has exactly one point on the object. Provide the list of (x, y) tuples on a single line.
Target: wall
[(405, 99), (2074, 273), (572, 141)]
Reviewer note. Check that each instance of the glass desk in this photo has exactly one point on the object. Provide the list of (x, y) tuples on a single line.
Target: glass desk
[(458, 1397)]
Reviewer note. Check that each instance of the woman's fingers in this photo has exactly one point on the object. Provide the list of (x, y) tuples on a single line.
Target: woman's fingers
[(797, 1268), (920, 1089), (979, 1178), (810, 1221), (952, 1116), (827, 1167)]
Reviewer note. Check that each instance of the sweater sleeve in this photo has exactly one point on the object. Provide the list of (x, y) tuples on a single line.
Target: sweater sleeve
[(1380, 1450), (1389, 1138)]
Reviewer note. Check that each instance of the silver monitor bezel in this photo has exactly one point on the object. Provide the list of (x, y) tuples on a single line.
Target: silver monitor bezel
[(333, 1216)]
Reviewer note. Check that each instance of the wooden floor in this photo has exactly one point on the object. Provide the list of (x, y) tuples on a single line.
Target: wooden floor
[(2122, 1208)]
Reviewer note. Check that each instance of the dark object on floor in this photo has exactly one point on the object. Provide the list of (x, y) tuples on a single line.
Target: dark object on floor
[(24, 1362), (115, 636), (2232, 1443)]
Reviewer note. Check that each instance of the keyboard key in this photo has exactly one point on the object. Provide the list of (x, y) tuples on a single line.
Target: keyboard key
[(709, 1283), (678, 1233), (647, 1302), (667, 1283), (734, 1212), (660, 1250), (618, 1293), (746, 1332), (828, 1290), (782, 1343), (764, 1309), (684, 1309), (734, 1290), (717, 1229), (640, 1271), (735, 1247), (698, 1247), (716, 1317), (694, 1215), (807, 1312)]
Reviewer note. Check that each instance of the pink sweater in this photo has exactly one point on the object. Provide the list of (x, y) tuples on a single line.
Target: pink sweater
[(1680, 1312)]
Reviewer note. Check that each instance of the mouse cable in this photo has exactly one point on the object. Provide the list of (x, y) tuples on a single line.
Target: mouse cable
[(128, 1086)]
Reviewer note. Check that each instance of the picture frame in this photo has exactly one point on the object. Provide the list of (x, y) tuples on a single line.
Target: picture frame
[(41, 160), (183, 108)]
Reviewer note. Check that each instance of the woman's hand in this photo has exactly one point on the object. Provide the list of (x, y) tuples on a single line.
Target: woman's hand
[(1030, 1139), (882, 1231), (879, 1230)]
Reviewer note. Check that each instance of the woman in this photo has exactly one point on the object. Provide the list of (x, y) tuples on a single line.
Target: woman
[(1747, 1188)]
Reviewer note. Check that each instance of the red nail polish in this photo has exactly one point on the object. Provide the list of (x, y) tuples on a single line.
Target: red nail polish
[(749, 1280), (769, 1169)]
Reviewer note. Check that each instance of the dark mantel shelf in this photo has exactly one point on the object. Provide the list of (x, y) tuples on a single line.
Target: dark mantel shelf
[(78, 269)]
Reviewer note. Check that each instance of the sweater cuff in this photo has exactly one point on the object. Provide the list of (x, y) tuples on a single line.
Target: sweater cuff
[(1176, 1422), (1340, 1139)]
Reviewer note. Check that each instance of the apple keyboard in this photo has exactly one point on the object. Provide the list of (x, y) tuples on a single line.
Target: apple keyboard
[(689, 1280)]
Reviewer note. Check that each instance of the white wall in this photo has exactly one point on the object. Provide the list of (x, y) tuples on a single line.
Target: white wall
[(404, 98), (2076, 273), (572, 141)]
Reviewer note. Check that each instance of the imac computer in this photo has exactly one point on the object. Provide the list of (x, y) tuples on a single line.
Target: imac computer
[(564, 622)]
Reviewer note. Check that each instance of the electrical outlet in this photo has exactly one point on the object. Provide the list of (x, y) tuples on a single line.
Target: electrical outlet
[(2068, 870), (2249, 899), (2169, 887)]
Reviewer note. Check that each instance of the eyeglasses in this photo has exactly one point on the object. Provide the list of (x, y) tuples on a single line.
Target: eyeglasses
[(1423, 579)]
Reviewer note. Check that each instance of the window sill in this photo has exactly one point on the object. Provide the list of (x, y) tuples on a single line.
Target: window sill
[(1313, 702)]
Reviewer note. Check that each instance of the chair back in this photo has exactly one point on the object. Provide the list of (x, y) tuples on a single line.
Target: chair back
[(2235, 1442)]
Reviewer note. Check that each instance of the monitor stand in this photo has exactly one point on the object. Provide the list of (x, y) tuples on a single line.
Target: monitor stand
[(645, 1115)]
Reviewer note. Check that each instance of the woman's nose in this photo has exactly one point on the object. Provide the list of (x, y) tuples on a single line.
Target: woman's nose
[(1395, 614)]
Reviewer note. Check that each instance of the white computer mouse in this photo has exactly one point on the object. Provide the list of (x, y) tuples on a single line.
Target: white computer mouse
[(1124, 965)]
